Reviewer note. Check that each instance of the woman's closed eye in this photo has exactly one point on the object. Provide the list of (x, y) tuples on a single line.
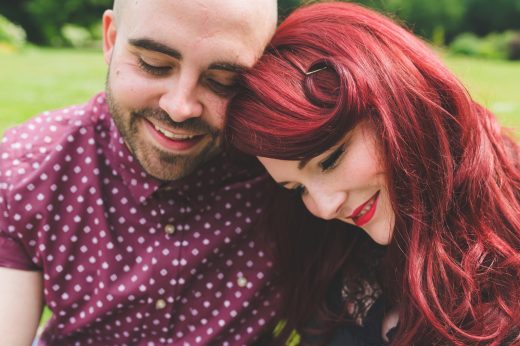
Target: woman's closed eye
[(331, 161)]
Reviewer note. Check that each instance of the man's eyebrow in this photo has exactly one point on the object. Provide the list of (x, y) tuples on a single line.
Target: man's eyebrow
[(149, 44), (224, 66)]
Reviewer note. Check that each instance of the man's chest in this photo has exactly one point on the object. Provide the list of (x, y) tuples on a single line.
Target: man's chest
[(177, 261)]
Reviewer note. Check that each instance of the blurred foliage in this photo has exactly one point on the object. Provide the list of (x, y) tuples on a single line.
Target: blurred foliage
[(485, 16), (57, 22), (514, 47), (47, 22), (287, 6), (76, 36), (12, 37), (493, 45), (441, 21), (440, 18)]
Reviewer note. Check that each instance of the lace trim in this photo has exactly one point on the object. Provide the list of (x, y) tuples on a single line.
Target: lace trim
[(358, 297)]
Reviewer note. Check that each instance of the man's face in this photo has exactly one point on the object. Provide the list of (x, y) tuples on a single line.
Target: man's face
[(172, 70)]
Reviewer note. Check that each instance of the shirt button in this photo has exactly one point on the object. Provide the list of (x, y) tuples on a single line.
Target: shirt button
[(242, 282), (160, 304), (169, 229)]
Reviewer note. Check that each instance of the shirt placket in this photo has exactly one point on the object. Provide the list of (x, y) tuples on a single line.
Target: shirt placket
[(174, 211)]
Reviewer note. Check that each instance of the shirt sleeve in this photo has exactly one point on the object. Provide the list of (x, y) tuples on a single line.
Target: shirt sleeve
[(13, 254)]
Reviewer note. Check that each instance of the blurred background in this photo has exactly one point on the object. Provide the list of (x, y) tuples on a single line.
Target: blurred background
[(50, 49)]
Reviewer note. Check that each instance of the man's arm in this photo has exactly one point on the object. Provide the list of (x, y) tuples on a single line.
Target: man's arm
[(21, 303)]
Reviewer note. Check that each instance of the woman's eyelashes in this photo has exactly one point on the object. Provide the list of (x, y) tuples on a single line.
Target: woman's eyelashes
[(329, 163), (332, 160)]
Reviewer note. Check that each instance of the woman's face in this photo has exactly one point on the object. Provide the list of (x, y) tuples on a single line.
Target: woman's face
[(347, 182)]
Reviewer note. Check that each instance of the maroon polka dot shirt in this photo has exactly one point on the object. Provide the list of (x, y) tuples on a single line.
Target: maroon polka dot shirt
[(127, 259)]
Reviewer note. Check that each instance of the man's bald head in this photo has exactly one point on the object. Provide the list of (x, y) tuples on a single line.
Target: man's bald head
[(117, 8), (268, 9)]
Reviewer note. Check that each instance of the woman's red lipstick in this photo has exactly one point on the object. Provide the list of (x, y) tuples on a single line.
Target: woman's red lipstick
[(364, 213)]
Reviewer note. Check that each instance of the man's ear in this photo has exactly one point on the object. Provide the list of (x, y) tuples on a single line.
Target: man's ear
[(109, 34)]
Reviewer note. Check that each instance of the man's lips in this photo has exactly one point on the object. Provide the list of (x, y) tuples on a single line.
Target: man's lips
[(173, 134), (172, 141), (364, 213)]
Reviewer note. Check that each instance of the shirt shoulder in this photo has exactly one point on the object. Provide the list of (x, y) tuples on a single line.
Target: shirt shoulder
[(37, 158), (50, 137)]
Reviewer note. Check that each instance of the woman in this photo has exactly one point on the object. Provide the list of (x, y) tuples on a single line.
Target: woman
[(359, 118)]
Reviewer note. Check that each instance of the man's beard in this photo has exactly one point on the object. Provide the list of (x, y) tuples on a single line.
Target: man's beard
[(159, 163)]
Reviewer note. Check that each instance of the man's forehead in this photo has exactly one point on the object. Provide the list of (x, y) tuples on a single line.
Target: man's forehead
[(234, 29), (260, 11)]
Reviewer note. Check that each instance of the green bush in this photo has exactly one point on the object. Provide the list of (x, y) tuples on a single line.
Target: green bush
[(466, 44), (76, 36), (51, 20), (493, 46), (12, 36), (514, 47)]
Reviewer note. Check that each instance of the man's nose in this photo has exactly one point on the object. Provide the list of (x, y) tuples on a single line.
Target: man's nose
[(180, 100), (325, 204)]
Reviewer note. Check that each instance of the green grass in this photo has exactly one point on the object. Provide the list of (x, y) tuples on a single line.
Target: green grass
[(494, 83), (36, 79)]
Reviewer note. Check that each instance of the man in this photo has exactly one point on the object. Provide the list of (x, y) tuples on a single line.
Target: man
[(122, 215)]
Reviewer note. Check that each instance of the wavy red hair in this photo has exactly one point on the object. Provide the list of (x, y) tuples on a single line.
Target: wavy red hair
[(453, 174)]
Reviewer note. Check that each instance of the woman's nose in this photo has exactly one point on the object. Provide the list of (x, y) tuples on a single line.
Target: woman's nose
[(325, 204)]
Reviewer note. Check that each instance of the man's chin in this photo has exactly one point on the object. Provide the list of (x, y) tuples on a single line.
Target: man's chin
[(174, 167)]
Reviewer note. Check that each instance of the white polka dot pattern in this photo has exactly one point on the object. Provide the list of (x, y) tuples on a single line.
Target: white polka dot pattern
[(126, 259)]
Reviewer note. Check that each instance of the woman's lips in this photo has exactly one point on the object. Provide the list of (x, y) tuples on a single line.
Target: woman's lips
[(364, 213)]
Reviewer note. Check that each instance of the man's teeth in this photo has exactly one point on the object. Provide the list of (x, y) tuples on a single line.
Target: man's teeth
[(173, 135)]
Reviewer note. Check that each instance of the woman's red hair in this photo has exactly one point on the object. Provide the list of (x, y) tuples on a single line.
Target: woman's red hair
[(453, 265)]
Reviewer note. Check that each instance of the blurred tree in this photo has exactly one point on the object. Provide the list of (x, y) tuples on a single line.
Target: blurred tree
[(433, 20), (15, 11), (287, 6), (12, 36), (52, 15), (43, 20), (484, 16), (442, 20)]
